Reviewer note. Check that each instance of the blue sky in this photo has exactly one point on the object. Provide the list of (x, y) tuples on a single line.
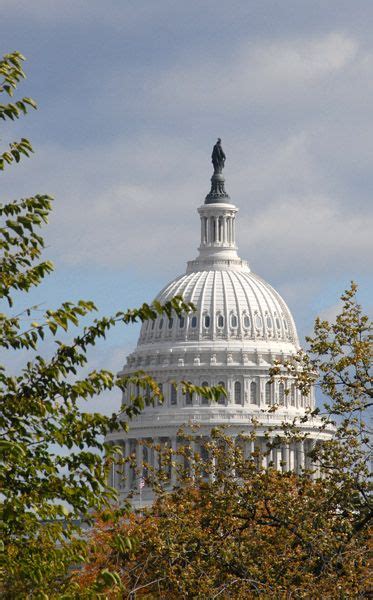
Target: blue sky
[(132, 95)]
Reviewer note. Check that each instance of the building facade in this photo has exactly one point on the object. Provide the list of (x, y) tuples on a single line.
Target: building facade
[(240, 327)]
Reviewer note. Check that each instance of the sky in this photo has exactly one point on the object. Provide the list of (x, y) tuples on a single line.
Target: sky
[(132, 95)]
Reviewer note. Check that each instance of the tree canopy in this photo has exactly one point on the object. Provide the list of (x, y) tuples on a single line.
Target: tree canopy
[(236, 530), (53, 455)]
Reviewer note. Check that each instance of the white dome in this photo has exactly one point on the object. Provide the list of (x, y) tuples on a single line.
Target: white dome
[(230, 305), (240, 329)]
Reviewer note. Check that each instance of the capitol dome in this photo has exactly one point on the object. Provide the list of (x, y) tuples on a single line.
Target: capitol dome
[(241, 326), (234, 305)]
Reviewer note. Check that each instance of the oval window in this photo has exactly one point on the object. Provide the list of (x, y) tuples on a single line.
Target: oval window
[(207, 321), (234, 321), (220, 321), (258, 321), (194, 322), (246, 321)]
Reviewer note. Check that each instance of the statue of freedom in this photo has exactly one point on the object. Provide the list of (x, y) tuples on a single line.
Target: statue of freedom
[(218, 157)]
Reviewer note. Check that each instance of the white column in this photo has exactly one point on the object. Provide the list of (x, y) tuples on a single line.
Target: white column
[(252, 449), (216, 229), (202, 230), (224, 230), (278, 458), (292, 464), (272, 457), (233, 230), (230, 394), (264, 449), (275, 399), (286, 457), (300, 457), (262, 399)]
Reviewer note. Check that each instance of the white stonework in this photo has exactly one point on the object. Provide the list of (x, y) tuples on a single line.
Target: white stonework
[(241, 326)]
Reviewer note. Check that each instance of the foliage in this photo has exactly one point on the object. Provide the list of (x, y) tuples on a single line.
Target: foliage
[(54, 459), (232, 529)]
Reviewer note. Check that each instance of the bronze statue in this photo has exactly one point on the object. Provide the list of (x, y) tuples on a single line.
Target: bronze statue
[(218, 157)]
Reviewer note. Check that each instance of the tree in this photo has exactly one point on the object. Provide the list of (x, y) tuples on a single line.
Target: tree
[(231, 528), (54, 459)]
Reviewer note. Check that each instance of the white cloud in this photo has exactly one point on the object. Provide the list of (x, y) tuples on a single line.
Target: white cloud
[(310, 235), (136, 206), (264, 72)]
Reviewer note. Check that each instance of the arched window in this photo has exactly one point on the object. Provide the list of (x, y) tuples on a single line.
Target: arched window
[(222, 397), (170, 322), (181, 322), (253, 393), (278, 323), (237, 393), (234, 321), (285, 324), (268, 393), (269, 322), (153, 324), (281, 394), (173, 395), (188, 398), (220, 321), (258, 321), (204, 401), (207, 321), (194, 322), (292, 396), (246, 321), (161, 324)]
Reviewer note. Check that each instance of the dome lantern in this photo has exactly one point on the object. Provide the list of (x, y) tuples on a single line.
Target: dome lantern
[(218, 249)]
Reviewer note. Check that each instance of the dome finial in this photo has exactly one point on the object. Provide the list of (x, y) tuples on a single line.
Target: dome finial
[(217, 192), (218, 157)]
